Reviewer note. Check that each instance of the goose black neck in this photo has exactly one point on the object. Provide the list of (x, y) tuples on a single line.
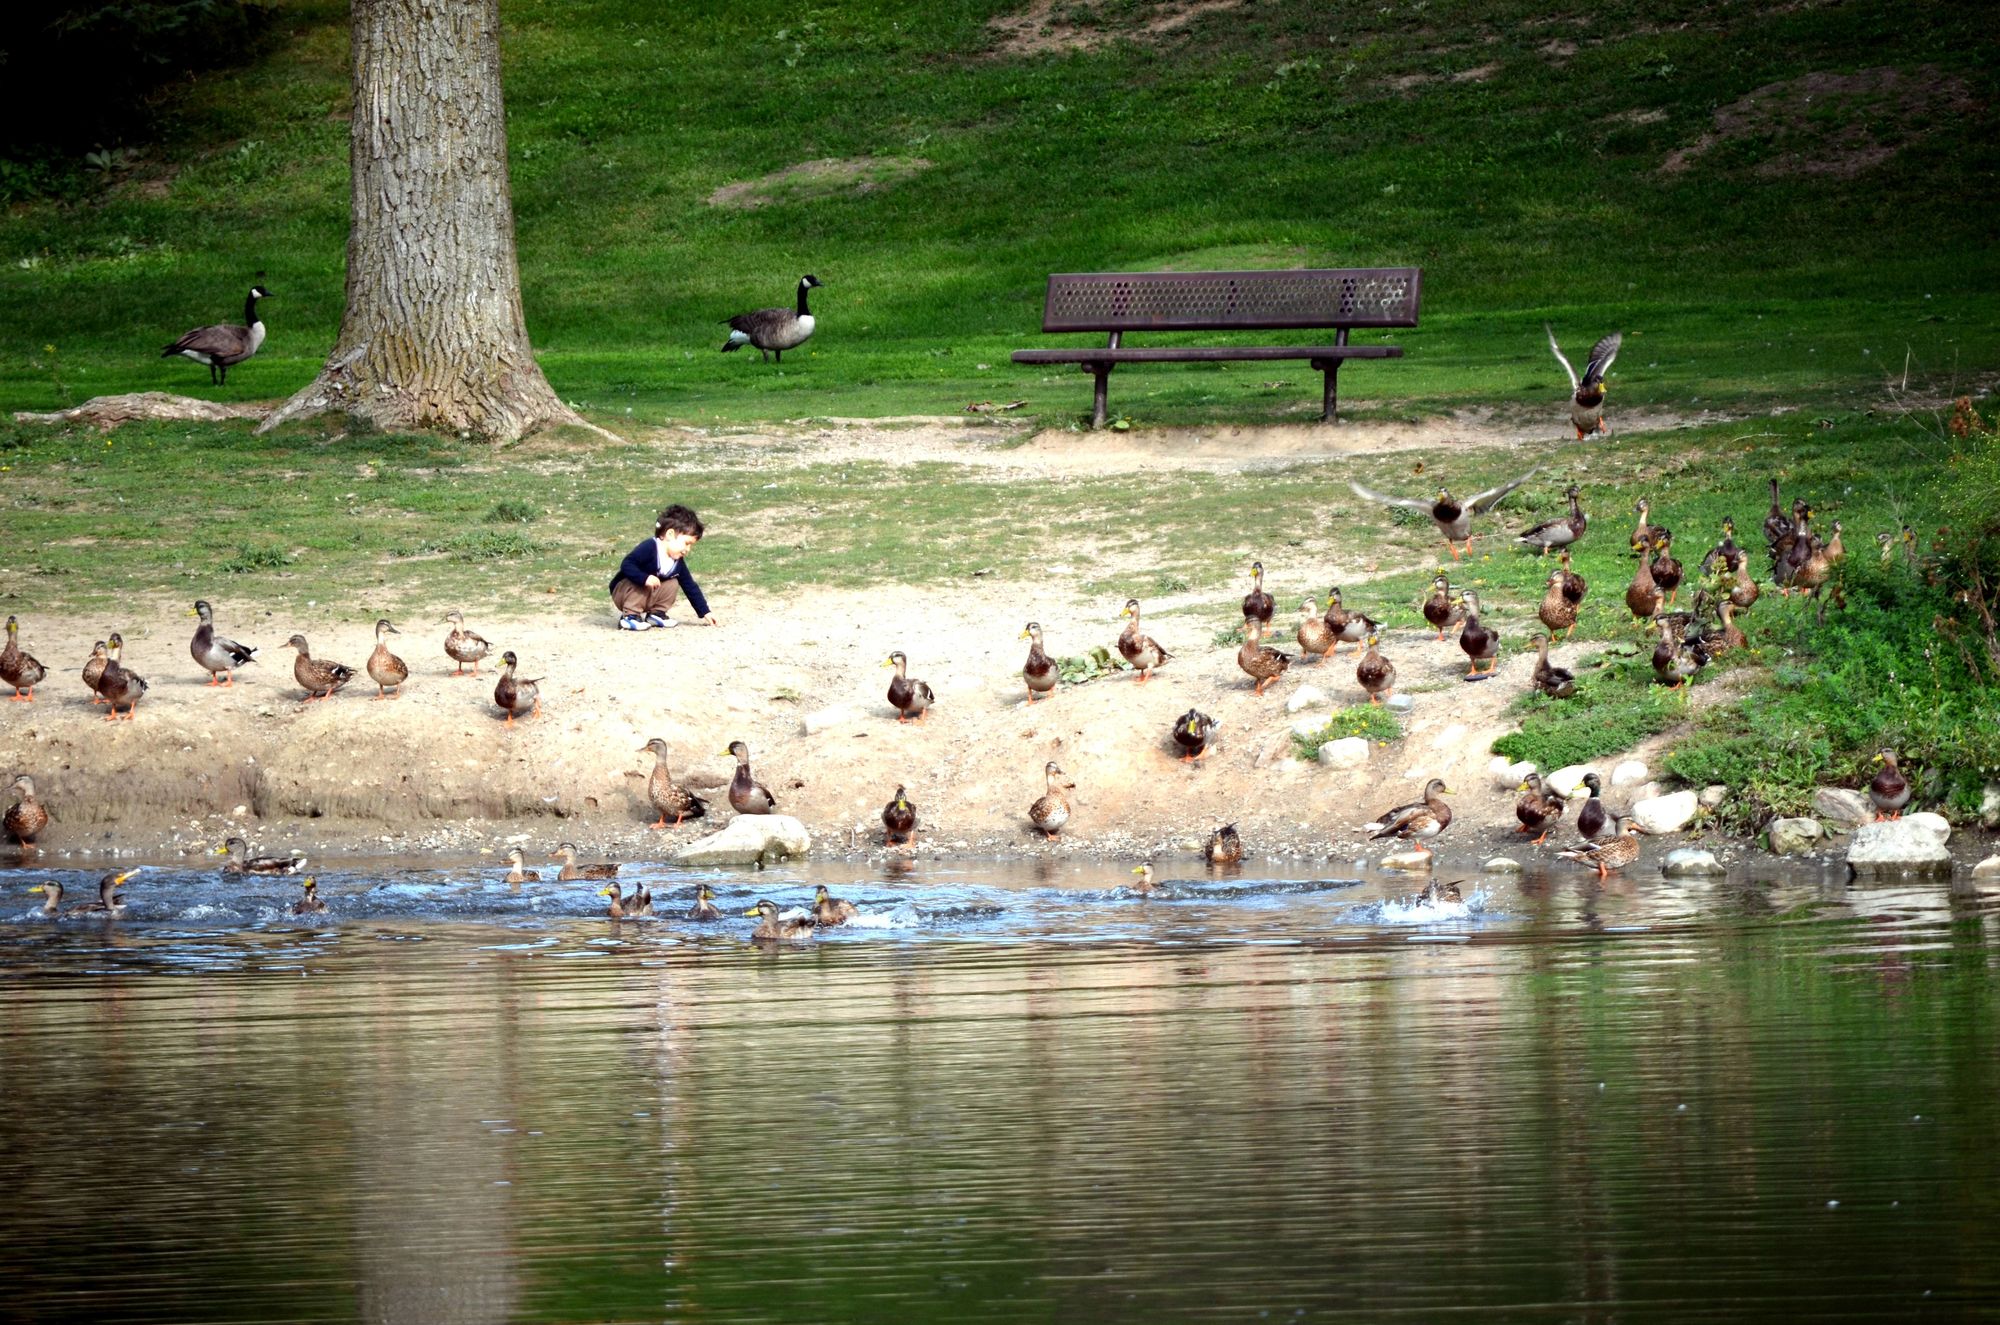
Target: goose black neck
[(803, 287), (250, 309)]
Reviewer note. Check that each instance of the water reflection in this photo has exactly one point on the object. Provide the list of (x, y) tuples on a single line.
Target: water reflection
[(1015, 1095)]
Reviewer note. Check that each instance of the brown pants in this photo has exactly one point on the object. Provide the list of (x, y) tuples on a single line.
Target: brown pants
[(637, 600)]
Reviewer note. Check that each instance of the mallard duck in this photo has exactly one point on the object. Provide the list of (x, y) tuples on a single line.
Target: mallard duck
[(218, 655), (1146, 886), (1556, 611), (771, 929), (1574, 586), (1257, 604), (93, 671), (1743, 589), (831, 910), (910, 698), (1643, 596), (1050, 810), (1666, 568), (1908, 540), (221, 347), (385, 669), (513, 694), (26, 817), (667, 795), (1315, 637), (1141, 650), (1886, 541), (1417, 822), (309, 903), (517, 873), (462, 646), (1720, 558), (1890, 791), (242, 862), (108, 904), (1040, 670), (704, 907), (1224, 846), (1591, 817), (52, 894), (1559, 533), (1730, 635), (571, 871), (1438, 608), (1452, 517), (113, 649), (899, 818), (1555, 682), (639, 903), (746, 794), (1540, 807), (1347, 627), (1586, 401), (1777, 526), (1613, 853), (1441, 894), (1645, 533), (119, 686), (1794, 549), (1480, 642), (318, 677), (1263, 664), (1192, 731), (772, 331), (18, 669), (1374, 673), (1819, 563)]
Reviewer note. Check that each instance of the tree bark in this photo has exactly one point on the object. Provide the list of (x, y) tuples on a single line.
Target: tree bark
[(433, 335)]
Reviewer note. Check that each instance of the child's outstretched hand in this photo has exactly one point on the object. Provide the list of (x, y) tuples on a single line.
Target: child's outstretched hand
[(710, 620)]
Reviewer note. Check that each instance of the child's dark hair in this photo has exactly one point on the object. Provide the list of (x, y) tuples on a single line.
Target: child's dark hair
[(678, 518)]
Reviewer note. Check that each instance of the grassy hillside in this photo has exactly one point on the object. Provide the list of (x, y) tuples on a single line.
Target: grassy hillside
[(1830, 229)]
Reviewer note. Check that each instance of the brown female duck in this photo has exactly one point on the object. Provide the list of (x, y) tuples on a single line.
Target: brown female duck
[(462, 646), (1315, 637), (1224, 846), (704, 908), (899, 818), (514, 694), (1743, 590), (1438, 608), (1192, 731), (1614, 853), (119, 686), (746, 794), (1673, 662), (1540, 807), (1643, 596), (309, 903), (385, 669), (318, 677), (218, 655), (1050, 810), (1555, 682), (1777, 526), (51, 892), (1890, 791), (1559, 533), (1147, 884), (242, 862), (1262, 663), (1040, 670), (1347, 627), (114, 648), (1574, 586), (1480, 642), (1452, 517), (1556, 611), (639, 903), (571, 871), (1258, 605), (1374, 673), (1136, 647), (1666, 569), (26, 817), (1718, 559), (1819, 563), (18, 669), (518, 873), (770, 929), (911, 699), (93, 671), (831, 910), (1418, 821), (667, 795), (1645, 533)]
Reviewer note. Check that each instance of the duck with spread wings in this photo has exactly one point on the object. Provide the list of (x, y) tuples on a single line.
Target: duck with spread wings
[(1452, 516)]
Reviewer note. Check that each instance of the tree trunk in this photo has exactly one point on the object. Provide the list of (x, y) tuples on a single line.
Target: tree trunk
[(433, 335)]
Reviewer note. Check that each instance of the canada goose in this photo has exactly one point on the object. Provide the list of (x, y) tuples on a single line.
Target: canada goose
[(773, 330), (1586, 406), (221, 347)]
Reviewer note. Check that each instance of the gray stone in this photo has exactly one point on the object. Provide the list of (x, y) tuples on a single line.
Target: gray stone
[(1713, 795), (1400, 703), (1988, 868), (1347, 752), (1628, 773), (1691, 863), (1506, 774), (1665, 814), (1794, 837), (1936, 823), (1989, 806), (1842, 807), (1408, 860), (1897, 847), (1308, 726), (1502, 865), (1306, 697), (748, 839)]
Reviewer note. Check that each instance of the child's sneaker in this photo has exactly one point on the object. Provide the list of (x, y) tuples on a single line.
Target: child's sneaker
[(659, 621), (632, 621)]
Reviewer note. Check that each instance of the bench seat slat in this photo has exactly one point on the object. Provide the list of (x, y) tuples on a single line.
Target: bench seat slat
[(1205, 353)]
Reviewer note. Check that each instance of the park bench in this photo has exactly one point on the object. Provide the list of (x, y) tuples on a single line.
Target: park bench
[(1119, 302)]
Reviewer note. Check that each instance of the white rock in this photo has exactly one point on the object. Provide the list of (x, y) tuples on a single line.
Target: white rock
[(1841, 807), (1502, 865), (1627, 773), (1713, 795), (1400, 703), (1508, 775), (747, 839), (1308, 726), (1347, 752), (1666, 814), (819, 720), (1936, 823), (1449, 737), (1408, 860), (1567, 781), (1989, 806), (1306, 697), (1794, 837), (1897, 846), (1691, 863), (1987, 869)]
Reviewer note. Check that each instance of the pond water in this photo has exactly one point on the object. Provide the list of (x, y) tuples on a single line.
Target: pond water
[(1014, 1092)]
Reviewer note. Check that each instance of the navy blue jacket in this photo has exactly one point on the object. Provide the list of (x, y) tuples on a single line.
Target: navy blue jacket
[(644, 560)]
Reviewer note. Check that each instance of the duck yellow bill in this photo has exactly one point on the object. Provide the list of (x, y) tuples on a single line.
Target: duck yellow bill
[(752, 912), (38, 888), (604, 892)]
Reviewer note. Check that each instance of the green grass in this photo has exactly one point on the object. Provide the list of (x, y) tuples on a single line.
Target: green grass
[(1298, 133), (1372, 721)]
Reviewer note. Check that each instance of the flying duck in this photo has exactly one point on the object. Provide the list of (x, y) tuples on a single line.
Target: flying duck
[(773, 330), (1586, 406), (1452, 516), (222, 347)]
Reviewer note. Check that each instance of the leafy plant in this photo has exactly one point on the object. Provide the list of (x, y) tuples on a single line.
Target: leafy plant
[(1373, 721)]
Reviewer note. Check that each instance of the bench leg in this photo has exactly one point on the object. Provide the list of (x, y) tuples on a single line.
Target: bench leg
[(1098, 392), (1329, 387)]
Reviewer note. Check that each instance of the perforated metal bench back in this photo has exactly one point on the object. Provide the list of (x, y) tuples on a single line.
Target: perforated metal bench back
[(1224, 300)]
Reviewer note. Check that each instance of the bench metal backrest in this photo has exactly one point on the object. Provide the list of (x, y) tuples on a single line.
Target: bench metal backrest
[(1230, 300)]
